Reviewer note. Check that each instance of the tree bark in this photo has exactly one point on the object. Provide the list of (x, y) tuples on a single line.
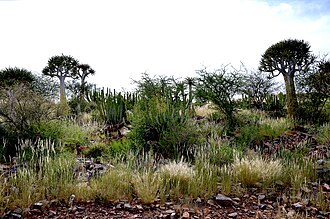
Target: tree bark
[(62, 90), (291, 97)]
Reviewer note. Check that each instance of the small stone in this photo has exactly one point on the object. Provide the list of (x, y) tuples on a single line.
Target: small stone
[(232, 215), (35, 211), (170, 211), (139, 207), (80, 209), (127, 206), (18, 211), (13, 215), (37, 205), (51, 214), (236, 199), (198, 200), (210, 202), (261, 197), (262, 207), (185, 215), (321, 162), (224, 200), (173, 215), (326, 187), (297, 205)]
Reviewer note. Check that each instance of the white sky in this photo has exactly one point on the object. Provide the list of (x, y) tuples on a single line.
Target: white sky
[(121, 39)]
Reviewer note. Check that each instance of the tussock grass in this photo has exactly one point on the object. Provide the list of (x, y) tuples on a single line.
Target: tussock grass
[(256, 170), (206, 110), (323, 134), (297, 172), (176, 178), (273, 128), (112, 186), (146, 185)]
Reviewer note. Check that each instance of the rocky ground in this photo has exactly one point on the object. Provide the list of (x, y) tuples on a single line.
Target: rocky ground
[(252, 204)]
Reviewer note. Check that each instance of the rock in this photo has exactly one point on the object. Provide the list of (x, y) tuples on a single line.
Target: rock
[(139, 207), (71, 199), (80, 209), (210, 202), (37, 205), (15, 214), (51, 214), (127, 206), (325, 187), (233, 215), (236, 199), (169, 211), (321, 162), (224, 200), (18, 211), (198, 200), (297, 205), (185, 215), (261, 197)]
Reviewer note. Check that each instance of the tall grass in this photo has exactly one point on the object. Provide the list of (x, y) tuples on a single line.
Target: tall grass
[(256, 170)]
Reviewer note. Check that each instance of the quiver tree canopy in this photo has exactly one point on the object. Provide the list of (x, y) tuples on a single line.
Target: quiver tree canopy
[(62, 67), (288, 57)]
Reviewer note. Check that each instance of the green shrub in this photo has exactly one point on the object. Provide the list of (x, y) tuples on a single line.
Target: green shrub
[(62, 132), (97, 150), (163, 126)]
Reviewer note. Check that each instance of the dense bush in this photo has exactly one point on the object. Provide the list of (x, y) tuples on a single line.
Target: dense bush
[(220, 87), (161, 120)]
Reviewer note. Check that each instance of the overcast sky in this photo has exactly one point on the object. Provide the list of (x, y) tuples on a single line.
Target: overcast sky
[(123, 38)]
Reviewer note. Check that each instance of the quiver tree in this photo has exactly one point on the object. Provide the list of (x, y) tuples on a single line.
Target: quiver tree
[(288, 57), (9, 79), (62, 67), (84, 70)]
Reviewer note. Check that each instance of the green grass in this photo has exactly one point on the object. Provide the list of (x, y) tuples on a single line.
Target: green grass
[(323, 134)]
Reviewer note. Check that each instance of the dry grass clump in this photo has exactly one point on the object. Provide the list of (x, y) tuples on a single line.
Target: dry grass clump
[(113, 185), (254, 171), (176, 178), (179, 169), (146, 185), (205, 110)]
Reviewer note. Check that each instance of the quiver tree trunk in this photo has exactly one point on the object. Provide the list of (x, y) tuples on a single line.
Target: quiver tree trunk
[(291, 97)]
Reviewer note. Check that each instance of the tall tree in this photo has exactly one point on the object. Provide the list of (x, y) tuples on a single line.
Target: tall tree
[(84, 70), (62, 67), (13, 76), (288, 57), (10, 78)]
